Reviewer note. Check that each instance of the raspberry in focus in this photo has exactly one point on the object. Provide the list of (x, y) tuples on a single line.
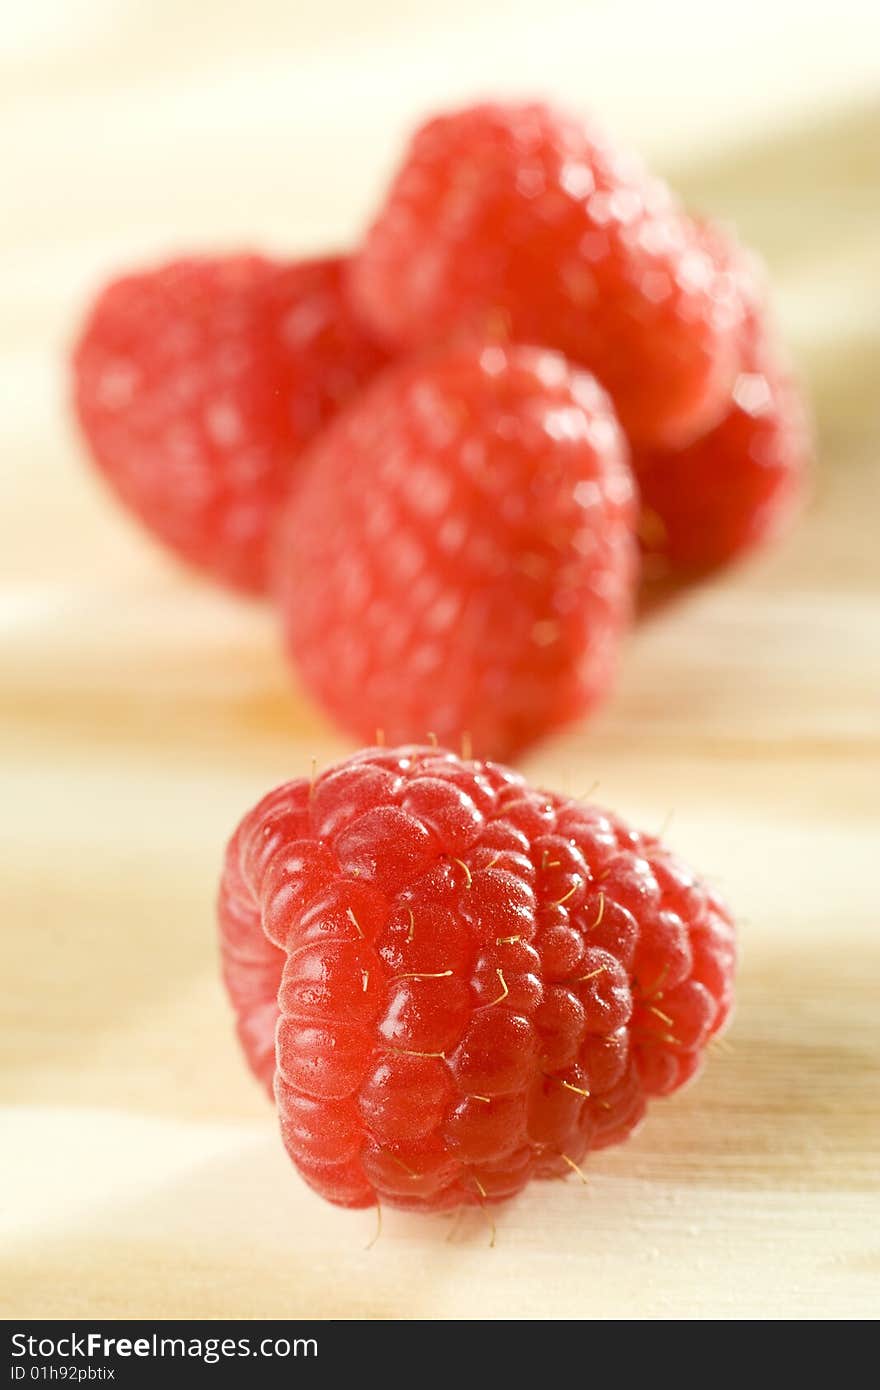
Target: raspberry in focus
[(197, 386), (518, 223), (740, 485), (459, 557), (454, 983)]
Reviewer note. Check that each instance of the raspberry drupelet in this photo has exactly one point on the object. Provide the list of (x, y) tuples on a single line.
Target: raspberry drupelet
[(521, 223), (198, 384), (460, 555), (454, 983)]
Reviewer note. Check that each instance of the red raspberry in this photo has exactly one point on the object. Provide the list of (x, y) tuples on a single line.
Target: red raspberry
[(459, 557), (517, 222), (458, 982), (197, 386), (739, 485)]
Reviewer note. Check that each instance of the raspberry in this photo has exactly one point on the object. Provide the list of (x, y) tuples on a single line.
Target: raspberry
[(739, 485), (517, 222), (459, 557), (198, 384), (456, 982)]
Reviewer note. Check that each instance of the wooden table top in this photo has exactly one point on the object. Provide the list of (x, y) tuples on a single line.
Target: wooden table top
[(141, 712)]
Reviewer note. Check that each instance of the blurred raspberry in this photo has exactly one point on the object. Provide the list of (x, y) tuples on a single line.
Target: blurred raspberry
[(198, 384), (516, 222), (739, 485), (457, 982), (459, 558)]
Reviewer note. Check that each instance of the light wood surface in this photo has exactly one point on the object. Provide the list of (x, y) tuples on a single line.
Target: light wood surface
[(142, 712)]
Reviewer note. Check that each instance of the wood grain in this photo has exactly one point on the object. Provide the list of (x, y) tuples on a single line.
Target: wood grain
[(140, 712)]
